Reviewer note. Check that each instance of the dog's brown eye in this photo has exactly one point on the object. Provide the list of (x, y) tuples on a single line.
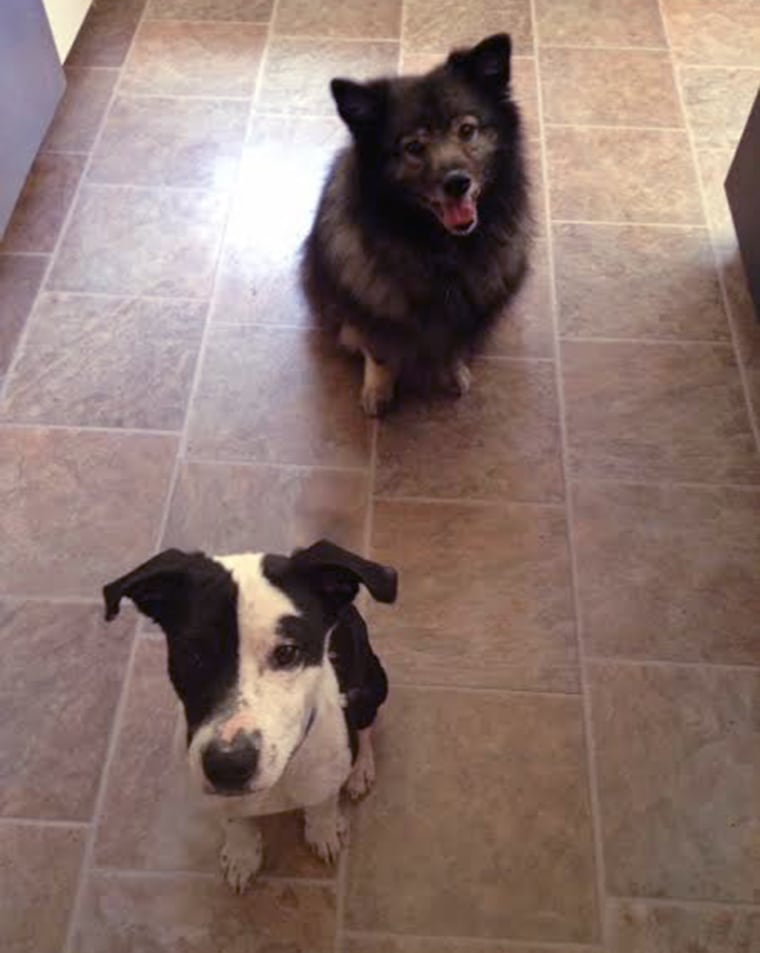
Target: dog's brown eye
[(414, 148), (286, 655), (467, 131)]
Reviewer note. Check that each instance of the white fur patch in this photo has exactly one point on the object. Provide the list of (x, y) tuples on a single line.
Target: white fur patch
[(296, 768)]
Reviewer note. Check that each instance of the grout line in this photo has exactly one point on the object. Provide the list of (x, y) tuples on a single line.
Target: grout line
[(272, 465), (602, 47), (686, 902), (321, 37), (89, 847), (512, 358), (205, 21), (23, 254), (119, 713), (452, 688), (44, 822), (181, 299), (186, 873), (496, 503), (182, 97), (701, 664), (664, 484), (53, 600), (617, 127), (648, 342), (485, 943), (87, 428), (626, 223), (753, 422), (591, 779)]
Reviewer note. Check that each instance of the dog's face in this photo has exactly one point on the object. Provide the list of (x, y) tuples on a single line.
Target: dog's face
[(247, 643), (435, 138)]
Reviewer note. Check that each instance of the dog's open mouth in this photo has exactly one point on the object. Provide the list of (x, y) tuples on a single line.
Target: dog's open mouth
[(458, 216)]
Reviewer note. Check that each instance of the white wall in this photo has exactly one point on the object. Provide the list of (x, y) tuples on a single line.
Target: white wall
[(65, 18)]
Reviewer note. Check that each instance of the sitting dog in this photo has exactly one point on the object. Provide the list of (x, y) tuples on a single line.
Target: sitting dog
[(422, 232), (272, 663)]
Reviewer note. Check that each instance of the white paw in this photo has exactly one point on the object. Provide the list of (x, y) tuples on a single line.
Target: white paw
[(376, 399), (241, 855), (326, 836), (458, 380), (361, 779)]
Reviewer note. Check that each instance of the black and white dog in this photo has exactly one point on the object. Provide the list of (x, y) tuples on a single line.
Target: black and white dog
[(272, 663)]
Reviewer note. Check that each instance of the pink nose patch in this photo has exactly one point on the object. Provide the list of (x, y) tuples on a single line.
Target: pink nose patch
[(240, 721)]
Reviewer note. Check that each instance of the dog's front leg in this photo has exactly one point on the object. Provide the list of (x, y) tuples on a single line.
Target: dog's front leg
[(325, 829), (362, 775), (242, 852)]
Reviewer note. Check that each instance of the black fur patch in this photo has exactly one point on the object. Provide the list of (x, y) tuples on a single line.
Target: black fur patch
[(379, 260), (194, 600)]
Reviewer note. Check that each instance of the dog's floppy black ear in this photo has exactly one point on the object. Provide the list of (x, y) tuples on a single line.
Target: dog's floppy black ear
[(360, 105), (486, 65), (157, 588), (337, 573)]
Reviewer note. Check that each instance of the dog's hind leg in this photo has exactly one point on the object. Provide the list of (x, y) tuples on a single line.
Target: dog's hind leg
[(362, 775), (242, 852), (325, 829)]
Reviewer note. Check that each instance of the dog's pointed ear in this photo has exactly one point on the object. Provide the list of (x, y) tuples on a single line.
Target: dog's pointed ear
[(337, 573), (157, 587), (360, 105), (486, 65)]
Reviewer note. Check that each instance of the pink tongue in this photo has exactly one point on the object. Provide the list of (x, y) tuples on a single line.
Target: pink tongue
[(457, 214)]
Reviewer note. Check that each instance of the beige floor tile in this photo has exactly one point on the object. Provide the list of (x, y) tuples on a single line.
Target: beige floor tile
[(437, 26), (485, 596), (636, 926), (151, 818), (275, 395), (657, 412), (106, 34), (39, 868), (701, 31), (713, 165), (79, 113), (668, 573), (634, 281), (351, 18), (622, 175), (43, 203), (60, 678), (718, 103), (498, 442), (516, 861), (234, 508), (257, 11), (20, 277), (609, 87), (677, 765), (195, 915), (129, 241), (599, 23), (298, 71), (69, 512), (176, 58), (110, 362), (160, 141), (258, 273), (526, 329)]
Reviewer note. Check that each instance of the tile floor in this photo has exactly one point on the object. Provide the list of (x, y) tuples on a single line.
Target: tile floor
[(569, 760)]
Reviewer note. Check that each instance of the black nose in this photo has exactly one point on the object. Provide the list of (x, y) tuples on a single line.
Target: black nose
[(456, 184), (230, 766)]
